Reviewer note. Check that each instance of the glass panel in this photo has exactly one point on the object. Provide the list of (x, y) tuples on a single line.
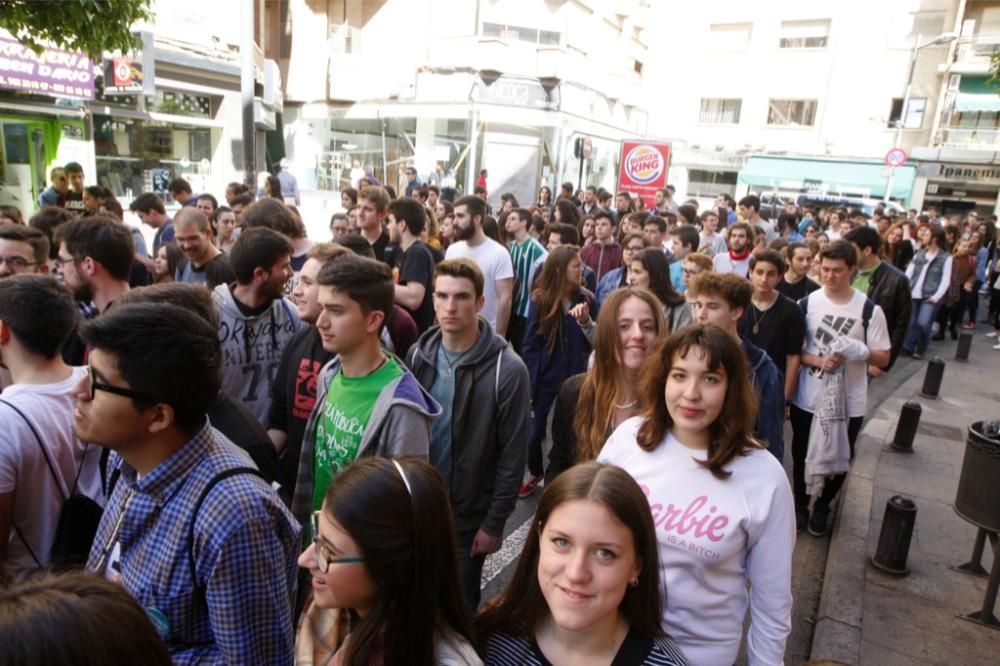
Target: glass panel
[(15, 139)]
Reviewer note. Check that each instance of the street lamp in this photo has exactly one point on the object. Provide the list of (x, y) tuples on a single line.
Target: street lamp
[(943, 38)]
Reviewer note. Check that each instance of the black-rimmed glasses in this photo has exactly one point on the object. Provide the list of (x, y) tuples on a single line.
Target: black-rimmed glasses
[(96, 386), (17, 263)]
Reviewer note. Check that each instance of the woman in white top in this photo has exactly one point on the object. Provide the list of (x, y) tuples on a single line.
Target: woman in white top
[(930, 276), (384, 569), (722, 506)]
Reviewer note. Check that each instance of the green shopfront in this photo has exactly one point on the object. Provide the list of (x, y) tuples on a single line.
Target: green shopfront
[(789, 177)]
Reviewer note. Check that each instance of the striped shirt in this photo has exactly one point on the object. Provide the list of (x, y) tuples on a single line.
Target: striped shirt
[(523, 256), (506, 650)]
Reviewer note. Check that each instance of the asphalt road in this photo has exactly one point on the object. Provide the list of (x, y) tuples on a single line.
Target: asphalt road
[(808, 565)]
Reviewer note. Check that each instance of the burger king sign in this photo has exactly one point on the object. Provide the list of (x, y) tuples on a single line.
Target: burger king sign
[(643, 168)]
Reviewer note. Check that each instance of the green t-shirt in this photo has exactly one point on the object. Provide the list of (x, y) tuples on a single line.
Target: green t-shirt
[(863, 279), (341, 426)]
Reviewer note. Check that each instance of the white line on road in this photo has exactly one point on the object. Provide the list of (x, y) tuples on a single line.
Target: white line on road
[(509, 551)]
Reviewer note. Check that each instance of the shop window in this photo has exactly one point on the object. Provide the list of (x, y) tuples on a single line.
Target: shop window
[(804, 34), (515, 33), (720, 111), (914, 116), (180, 104), (791, 112), (703, 183)]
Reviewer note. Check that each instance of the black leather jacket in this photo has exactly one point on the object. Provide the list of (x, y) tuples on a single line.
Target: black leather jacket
[(890, 290)]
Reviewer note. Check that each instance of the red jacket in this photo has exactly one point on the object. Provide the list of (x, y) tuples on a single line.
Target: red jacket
[(602, 258)]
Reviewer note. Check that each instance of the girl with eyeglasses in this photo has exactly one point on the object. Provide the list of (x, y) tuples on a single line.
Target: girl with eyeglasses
[(383, 564)]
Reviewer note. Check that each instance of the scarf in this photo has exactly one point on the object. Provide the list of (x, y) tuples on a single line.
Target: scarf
[(739, 257)]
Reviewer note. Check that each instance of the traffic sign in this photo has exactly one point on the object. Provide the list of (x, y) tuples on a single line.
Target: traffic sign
[(896, 157)]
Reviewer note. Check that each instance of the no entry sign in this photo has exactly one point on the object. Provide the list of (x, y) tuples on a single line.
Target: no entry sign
[(896, 157), (642, 168)]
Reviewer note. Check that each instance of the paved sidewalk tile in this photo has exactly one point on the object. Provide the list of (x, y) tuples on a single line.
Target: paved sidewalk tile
[(869, 617)]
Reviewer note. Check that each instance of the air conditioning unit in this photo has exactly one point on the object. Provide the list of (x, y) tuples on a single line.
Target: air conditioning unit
[(345, 39)]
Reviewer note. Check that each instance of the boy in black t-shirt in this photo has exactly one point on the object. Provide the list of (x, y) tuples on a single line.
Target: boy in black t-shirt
[(414, 270)]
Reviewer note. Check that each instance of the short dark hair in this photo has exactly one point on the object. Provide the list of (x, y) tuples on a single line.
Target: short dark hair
[(840, 249), (475, 205), (751, 201), (660, 223), (103, 239), (462, 268), (73, 167), (165, 352), (509, 196), (209, 197), (39, 310), (604, 214), (192, 297), (410, 211), (33, 237), (46, 619), (769, 256), (433, 188), (179, 186), (113, 207), (687, 235), (146, 202), (568, 234), (864, 237), (260, 247), (365, 281), (357, 244), (273, 214), (47, 220), (242, 200)]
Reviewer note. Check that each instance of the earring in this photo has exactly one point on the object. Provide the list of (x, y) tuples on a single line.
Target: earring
[(634, 582)]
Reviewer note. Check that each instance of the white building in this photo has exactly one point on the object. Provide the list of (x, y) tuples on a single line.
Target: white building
[(453, 86), (798, 96)]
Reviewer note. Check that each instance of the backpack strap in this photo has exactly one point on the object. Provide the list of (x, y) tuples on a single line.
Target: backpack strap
[(866, 316), (214, 481), (496, 381), (52, 470)]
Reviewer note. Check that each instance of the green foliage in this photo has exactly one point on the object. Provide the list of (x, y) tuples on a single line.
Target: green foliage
[(994, 79), (91, 26)]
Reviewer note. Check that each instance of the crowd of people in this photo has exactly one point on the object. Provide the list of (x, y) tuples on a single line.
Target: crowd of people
[(261, 447)]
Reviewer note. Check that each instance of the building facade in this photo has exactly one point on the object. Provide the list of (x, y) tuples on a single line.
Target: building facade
[(454, 87)]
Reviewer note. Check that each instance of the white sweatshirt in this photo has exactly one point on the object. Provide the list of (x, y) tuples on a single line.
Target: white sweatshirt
[(714, 537)]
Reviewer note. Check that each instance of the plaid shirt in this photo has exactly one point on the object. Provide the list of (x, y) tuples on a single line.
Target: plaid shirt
[(239, 610)]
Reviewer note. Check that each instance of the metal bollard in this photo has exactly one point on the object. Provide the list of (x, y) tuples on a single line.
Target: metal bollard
[(933, 377), (894, 539), (964, 345), (906, 428)]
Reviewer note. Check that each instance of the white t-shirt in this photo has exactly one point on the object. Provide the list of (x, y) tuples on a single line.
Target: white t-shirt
[(494, 261), (713, 537), (37, 500), (723, 263), (825, 321)]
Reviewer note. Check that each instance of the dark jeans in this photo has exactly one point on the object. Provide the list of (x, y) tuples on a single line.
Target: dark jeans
[(995, 307), (515, 332), (801, 420), (539, 420), (470, 571)]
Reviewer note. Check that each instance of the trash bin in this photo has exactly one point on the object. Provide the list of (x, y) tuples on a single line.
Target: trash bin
[(978, 496)]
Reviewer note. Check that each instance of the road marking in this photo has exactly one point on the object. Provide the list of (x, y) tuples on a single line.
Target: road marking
[(509, 551)]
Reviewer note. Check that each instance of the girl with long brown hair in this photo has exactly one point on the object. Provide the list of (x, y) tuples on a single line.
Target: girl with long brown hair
[(554, 346), (896, 248), (587, 584), (384, 571), (591, 405), (722, 505)]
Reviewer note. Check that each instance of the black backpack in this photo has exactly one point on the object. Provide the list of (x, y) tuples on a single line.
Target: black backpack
[(78, 517)]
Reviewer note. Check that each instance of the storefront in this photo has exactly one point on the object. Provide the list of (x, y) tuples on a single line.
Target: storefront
[(956, 188), (42, 118), (792, 176), (521, 130)]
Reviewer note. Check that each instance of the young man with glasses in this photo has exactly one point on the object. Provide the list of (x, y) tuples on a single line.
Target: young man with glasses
[(40, 457), (23, 250), (190, 530)]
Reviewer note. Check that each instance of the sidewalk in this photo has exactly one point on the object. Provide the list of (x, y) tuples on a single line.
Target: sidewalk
[(869, 617)]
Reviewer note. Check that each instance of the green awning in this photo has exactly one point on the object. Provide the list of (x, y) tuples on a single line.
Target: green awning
[(976, 85), (865, 179)]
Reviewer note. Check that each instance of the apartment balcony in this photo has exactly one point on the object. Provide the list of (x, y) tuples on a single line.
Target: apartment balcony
[(970, 138), (972, 54)]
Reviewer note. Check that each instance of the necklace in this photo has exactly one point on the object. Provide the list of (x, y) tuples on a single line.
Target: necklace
[(756, 322), (627, 405), (452, 361)]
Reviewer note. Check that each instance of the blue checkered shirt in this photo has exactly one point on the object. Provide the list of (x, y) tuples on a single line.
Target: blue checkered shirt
[(239, 610)]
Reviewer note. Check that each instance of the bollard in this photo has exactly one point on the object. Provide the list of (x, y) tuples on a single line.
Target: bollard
[(906, 428), (894, 539), (964, 345), (933, 377)]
